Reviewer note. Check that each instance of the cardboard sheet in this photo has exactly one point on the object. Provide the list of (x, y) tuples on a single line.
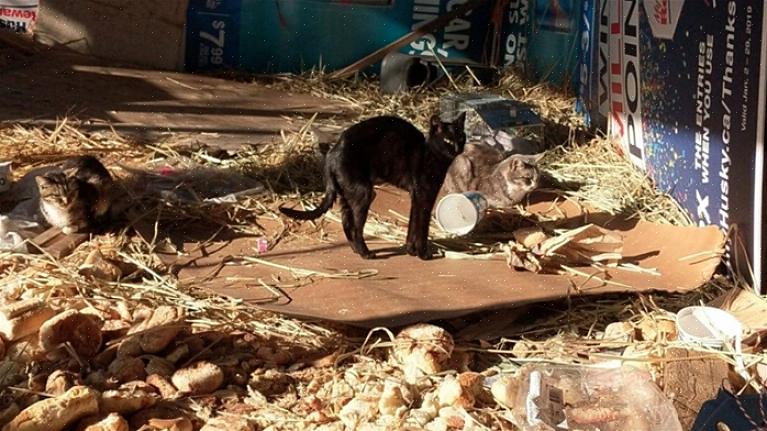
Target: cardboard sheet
[(146, 104), (406, 289)]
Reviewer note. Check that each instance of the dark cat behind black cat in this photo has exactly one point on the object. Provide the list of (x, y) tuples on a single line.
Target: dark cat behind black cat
[(387, 150)]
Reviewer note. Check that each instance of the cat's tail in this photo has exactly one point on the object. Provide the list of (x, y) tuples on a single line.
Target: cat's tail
[(325, 205)]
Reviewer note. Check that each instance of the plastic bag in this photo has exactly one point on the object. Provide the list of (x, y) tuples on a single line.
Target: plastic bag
[(13, 233), (561, 397)]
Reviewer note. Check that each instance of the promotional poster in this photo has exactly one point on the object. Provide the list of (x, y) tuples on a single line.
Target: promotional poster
[(687, 99)]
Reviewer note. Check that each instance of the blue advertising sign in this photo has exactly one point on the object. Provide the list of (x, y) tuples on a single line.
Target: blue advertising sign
[(213, 34), (688, 103)]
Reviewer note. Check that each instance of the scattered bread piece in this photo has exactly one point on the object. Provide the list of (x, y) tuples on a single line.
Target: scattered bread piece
[(657, 328), (199, 378), (126, 369), (110, 422), (128, 398), (54, 414), (23, 318), (451, 392), (394, 399), (81, 331), (61, 381), (99, 267), (422, 349), (504, 391), (228, 423), (166, 322), (141, 418), (357, 412), (163, 385), (619, 331), (176, 424), (472, 384), (161, 366)]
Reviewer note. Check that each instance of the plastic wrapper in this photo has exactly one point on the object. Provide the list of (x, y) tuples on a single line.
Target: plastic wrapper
[(14, 232), (590, 399)]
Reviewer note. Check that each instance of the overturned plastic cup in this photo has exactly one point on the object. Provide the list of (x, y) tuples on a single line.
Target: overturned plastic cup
[(712, 328), (708, 326), (460, 213)]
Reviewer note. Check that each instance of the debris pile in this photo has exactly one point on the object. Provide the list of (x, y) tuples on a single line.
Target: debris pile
[(537, 251), (104, 365)]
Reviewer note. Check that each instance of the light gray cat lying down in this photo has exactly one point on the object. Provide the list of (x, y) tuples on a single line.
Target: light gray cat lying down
[(504, 181)]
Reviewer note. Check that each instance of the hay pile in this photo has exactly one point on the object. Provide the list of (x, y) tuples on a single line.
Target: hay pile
[(418, 104), (171, 354)]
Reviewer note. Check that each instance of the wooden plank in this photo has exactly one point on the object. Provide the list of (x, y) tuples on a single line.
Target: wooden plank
[(46, 238), (690, 379), (58, 244)]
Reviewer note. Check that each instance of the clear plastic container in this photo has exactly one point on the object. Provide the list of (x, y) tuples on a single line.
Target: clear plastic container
[(562, 397)]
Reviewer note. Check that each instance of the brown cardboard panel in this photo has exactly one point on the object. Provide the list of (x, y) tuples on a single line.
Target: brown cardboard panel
[(748, 307), (148, 103), (406, 289), (141, 32)]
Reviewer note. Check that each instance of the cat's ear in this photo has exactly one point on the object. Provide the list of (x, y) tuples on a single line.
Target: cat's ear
[(535, 158), (435, 124), (530, 159), (517, 163), (436, 127), (42, 181)]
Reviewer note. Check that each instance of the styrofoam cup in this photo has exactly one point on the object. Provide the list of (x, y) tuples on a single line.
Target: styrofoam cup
[(713, 328), (708, 326), (459, 213)]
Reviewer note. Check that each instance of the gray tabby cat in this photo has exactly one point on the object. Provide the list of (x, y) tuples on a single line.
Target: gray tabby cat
[(504, 181), (77, 197)]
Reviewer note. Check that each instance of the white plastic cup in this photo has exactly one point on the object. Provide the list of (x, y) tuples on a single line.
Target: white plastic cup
[(460, 213), (712, 328), (708, 326)]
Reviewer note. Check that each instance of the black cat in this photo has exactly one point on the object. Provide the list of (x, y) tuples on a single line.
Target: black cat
[(391, 150)]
